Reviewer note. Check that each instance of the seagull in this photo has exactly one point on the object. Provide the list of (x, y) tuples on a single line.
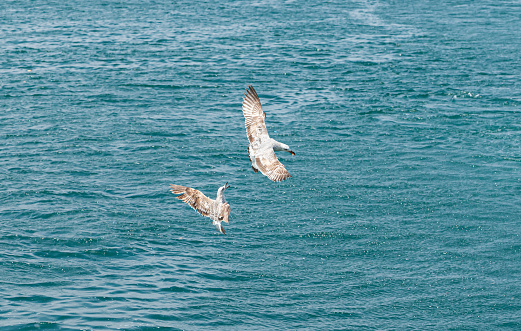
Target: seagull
[(218, 210), (262, 148)]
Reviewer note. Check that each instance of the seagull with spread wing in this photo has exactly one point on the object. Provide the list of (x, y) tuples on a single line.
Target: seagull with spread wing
[(218, 210), (262, 148)]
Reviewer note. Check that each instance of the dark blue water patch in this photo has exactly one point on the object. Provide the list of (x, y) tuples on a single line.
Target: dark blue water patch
[(39, 299)]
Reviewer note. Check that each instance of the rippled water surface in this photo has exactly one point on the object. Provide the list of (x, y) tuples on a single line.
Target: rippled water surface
[(403, 211)]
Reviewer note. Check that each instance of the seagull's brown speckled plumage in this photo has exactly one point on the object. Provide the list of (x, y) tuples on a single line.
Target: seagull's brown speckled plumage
[(217, 210), (262, 148)]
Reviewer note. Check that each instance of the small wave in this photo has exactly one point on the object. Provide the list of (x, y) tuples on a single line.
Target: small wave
[(32, 298)]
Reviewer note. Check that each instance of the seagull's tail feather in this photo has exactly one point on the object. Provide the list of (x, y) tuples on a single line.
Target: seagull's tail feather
[(219, 227)]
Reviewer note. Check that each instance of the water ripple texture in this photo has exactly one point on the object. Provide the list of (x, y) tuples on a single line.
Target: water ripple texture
[(403, 211)]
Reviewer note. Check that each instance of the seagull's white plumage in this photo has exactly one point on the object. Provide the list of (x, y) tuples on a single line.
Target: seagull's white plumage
[(218, 210), (262, 148)]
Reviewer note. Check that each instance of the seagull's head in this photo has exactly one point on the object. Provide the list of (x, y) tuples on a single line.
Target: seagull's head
[(287, 149), (224, 187)]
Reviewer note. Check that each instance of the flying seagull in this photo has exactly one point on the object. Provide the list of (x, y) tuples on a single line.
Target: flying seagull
[(262, 148), (218, 210)]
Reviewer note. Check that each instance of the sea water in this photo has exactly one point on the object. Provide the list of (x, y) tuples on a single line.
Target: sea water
[(402, 212)]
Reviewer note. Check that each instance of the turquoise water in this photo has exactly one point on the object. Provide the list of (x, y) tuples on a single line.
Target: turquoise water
[(403, 211)]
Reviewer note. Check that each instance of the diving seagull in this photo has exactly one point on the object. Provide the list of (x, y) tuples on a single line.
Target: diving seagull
[(262, 148), (218, 210)]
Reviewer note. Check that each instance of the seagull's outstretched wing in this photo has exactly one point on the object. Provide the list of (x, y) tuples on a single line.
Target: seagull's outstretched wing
[(271, 167), (254, 116), (196, 199)]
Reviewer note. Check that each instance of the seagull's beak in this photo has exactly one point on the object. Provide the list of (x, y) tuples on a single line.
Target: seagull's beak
[(226, 185), (292, 153)]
